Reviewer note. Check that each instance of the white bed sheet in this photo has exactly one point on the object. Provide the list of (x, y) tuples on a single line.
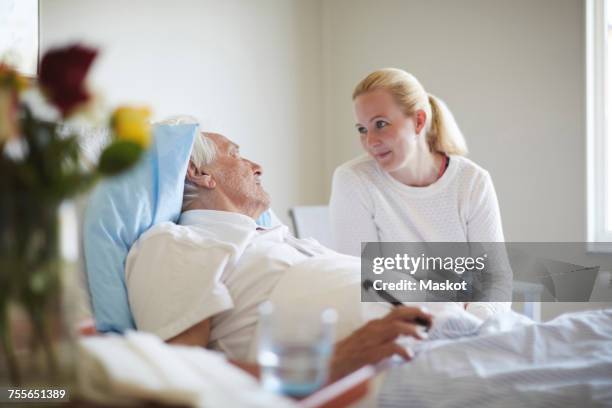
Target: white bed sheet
[(509, 361)]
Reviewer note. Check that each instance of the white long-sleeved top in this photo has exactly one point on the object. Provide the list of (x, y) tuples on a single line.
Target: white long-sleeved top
[(369, 205)]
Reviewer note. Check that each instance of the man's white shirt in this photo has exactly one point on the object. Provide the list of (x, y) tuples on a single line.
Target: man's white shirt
[(213, 264)]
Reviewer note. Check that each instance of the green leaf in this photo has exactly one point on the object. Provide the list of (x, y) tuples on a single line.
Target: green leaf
[(118, 157)]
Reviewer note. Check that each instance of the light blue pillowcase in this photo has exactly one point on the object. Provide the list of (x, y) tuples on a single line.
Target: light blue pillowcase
[(121, 208)]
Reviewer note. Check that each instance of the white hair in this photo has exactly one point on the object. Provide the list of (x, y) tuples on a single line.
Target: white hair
[(203, 153)]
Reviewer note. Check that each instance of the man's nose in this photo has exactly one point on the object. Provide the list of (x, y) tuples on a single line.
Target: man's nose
[(256, 168)]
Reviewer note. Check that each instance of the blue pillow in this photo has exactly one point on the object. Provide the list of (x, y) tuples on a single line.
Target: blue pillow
[(121, 208)]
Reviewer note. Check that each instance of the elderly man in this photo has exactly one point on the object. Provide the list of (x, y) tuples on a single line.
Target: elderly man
[(200, 282)]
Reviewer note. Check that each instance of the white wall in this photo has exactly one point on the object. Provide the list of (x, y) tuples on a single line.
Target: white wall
[(248, 69), (277, 75)]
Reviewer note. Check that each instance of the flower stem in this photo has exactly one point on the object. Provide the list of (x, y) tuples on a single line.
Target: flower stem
[(7, 345), (42, 331)]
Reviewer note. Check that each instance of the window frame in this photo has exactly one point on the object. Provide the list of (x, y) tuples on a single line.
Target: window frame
[(598, 236)]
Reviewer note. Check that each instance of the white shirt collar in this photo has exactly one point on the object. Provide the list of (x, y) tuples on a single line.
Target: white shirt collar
[(207, 217)]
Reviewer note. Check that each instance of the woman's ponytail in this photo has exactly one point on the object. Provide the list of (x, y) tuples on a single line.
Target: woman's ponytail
[(444, 134)]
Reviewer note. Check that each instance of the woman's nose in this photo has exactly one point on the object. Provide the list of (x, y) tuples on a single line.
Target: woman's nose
[(372, 140)]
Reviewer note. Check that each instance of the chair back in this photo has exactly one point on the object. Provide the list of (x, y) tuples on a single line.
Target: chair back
[(312, 221)]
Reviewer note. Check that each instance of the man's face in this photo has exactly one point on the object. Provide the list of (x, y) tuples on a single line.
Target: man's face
[(238, 178)]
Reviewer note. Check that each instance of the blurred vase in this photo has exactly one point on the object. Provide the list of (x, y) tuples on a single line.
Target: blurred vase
[(38, 262)]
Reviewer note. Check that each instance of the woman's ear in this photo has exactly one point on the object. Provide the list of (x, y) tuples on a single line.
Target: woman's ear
[(421, 119), (199, 177)]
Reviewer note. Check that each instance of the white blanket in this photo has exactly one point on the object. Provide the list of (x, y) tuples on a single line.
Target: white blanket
[(335, 282), (117, 369), (508, 362)]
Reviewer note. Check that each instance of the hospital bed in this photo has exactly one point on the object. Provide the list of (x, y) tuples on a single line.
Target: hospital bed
[(509, 361)]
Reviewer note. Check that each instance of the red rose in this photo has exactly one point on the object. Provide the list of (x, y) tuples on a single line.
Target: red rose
[(62, 74)]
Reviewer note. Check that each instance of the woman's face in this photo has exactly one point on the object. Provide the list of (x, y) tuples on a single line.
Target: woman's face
[(386, 133)]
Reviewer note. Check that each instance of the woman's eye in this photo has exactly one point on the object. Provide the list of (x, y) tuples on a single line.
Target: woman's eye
[(362, 130), (381, 124)]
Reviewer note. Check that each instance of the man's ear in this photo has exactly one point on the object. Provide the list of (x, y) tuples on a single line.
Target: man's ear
[(199, 177)]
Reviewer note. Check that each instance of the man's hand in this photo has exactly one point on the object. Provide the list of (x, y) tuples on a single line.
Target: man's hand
[(376, 340)]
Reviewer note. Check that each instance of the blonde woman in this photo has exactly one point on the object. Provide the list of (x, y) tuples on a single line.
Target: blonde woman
[(414, 184)]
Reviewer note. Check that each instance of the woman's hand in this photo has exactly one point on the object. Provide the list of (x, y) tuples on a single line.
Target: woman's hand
[(376, 340)]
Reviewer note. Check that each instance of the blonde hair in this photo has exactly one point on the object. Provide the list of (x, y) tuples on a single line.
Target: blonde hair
[(441, 130)]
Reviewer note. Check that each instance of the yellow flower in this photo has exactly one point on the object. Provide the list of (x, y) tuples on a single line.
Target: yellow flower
[(11, 84), (8, 114), (9, 78), (21, 83), (132, 124)]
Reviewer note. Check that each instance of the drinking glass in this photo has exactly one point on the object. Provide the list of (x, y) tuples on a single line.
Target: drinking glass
[(295, 349)]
